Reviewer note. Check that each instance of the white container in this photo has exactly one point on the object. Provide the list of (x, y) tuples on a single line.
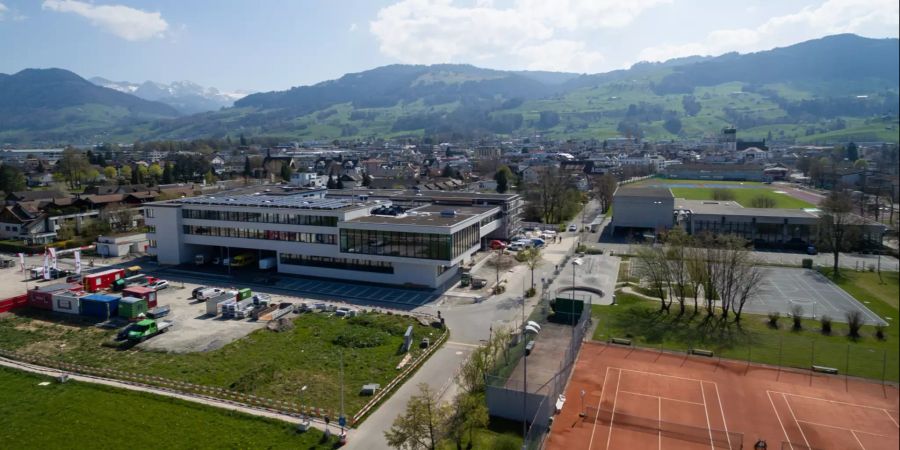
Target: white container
[(67, 302)]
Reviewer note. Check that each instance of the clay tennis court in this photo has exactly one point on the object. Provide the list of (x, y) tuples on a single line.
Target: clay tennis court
[(644, 399)]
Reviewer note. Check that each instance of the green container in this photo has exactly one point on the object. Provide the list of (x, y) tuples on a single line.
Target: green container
[(244, 294), (131, 307)]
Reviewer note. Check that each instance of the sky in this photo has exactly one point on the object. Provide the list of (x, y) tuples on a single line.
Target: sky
[(276, 44)]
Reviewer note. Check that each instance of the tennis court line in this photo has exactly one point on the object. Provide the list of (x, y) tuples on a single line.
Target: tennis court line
[(712, 444), (778, 416), (806, 441), (722, 411), (697, 380), (663, 398), (835, 401), (852, 430), (597, 419), (612, 418)]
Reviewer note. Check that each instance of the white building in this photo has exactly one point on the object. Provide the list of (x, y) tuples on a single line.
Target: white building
[(340, 238)]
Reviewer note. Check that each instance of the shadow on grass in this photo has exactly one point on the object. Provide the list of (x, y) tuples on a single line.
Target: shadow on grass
[(689, 330)]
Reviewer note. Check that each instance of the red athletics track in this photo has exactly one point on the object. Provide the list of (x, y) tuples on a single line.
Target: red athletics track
[(637, 399)]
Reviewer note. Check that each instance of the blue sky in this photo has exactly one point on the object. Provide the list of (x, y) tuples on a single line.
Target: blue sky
[(275, 44)]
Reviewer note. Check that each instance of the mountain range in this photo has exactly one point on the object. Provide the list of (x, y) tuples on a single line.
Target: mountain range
[(185, 96), (832, 89)]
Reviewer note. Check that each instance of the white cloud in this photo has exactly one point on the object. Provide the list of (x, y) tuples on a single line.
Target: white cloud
[(128, 23), (3, 10), (878, 18), (12, 14), (531, 33), (352, 28)]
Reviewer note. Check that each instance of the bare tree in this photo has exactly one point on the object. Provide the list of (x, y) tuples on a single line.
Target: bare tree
[(653, 267), (533, 259), (748, 278), (604, 188), (836, 219), (676, 255)]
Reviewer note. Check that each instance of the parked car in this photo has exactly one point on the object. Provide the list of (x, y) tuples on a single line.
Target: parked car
[(516, 246), (158, 285), (197, 291), (497, 245), (573, 227)]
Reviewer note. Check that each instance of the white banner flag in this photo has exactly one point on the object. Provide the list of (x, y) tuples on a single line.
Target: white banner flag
[(77, 262), (53, 259), (46, 266), (22, 261)]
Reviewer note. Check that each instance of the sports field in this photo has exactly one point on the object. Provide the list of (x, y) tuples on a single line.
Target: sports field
[(626, 398), (743, 195)]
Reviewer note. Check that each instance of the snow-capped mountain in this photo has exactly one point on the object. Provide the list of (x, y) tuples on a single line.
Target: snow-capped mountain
[(185, 96)]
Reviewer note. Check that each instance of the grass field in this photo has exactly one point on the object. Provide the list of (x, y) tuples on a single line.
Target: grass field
[(754, 339), (744, 196), (74, 415), (264, 363)]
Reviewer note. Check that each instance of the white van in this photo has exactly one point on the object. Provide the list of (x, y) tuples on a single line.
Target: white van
[(208, 293)]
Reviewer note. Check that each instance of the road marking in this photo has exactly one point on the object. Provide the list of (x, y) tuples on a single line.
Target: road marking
[(463, 344)]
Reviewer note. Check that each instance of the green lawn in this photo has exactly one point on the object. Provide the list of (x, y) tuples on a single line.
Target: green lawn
[(264, 363), (74, 415), (501, 434), (753, 339), (744, 196)]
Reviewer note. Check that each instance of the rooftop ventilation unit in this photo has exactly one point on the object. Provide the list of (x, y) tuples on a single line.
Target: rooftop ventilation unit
[(448, 213)]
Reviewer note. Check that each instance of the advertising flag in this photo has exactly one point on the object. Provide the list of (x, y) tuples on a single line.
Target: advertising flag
[(46, 266), (77, 261)]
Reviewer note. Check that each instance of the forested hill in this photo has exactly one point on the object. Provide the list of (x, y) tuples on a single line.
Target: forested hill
[(833, 89)]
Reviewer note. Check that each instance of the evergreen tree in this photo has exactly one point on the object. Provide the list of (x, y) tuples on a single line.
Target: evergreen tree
[(286, 172), (167, 177), (367, 180), (852, 151), (339, 184), (243, 140), (247, 169), (136, 176), (331, 184)]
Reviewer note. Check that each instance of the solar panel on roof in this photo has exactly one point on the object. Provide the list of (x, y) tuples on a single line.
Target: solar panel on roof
[(270, 201)]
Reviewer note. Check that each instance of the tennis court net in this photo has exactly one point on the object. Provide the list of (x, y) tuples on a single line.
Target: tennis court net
[(719, 439)]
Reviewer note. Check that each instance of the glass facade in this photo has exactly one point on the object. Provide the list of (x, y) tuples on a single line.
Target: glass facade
[(257, 217), (337, 263), (269, 235), (410, 245)]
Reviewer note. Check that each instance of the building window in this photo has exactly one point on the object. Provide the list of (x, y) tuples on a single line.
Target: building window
[(269, 235), (151, 229), (149, 213), (152, 243), (258, 217), (410, 245), (336, 263)]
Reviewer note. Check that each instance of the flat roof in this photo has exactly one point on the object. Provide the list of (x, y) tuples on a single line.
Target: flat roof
[(712, 207), (272, 201), (430, 215), (643, 192), (415, 193)]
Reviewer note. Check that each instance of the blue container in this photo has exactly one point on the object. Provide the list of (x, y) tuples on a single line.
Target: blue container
[(100, 306)]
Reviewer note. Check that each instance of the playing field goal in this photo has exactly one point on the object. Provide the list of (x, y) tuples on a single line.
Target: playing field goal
[(717, 438)]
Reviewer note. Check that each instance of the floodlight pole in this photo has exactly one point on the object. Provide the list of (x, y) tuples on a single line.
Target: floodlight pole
[(524, 378)]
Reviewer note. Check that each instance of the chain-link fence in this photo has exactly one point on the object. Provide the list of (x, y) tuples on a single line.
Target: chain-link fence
[(784, 349)]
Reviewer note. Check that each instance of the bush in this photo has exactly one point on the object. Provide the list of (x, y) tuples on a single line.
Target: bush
[(722, 194), (854, 323), (762, 201), (797, 317), (499, 289), (505, 442), (826, 324), (879, 332), (773, 319), (807, 263), (530, 292)]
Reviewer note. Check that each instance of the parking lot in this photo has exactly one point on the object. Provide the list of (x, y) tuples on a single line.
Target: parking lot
[(320, 289), (782, 288)]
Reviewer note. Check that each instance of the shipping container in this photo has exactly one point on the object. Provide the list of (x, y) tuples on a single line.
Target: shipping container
[(131, 307), (102, 280), (100, 306), (244, 293), (141, 292), (68, 302), (42, 297)]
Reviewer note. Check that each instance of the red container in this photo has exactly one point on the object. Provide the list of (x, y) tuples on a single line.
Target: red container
[(42, 297), (141, 292), (12, 303), (102, 280)]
